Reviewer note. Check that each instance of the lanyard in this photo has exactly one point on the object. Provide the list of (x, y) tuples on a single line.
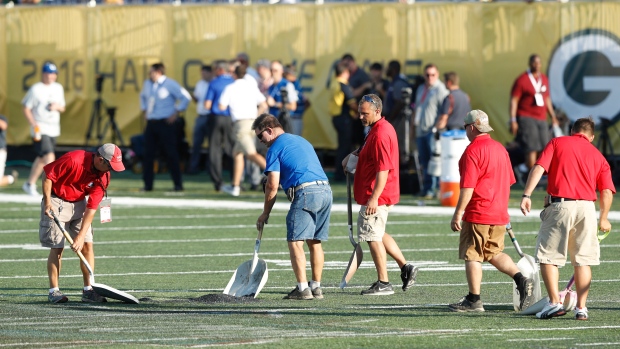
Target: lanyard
[(537, 84)]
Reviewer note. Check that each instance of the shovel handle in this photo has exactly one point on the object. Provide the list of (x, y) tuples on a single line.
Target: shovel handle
[(350, 210), (514, 239), (70, 240)]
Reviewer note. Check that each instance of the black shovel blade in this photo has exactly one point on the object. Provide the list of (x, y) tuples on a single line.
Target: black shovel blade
[(111, 292)]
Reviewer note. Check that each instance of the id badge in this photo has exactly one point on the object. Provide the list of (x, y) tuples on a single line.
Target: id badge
[(105, 210), (150, 105), (539, 100)]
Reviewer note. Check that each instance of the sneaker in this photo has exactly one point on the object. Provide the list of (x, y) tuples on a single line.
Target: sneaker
[(317, 293), (91, 296), (464, 306), (551, 311), (408, 274), (581, 313), (526, 293), (229, 189), (30, 189), (378, 289), (57, 297), (299, 295)]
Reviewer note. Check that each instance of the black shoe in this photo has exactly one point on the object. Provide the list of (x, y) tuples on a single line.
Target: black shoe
[(378, 289), (464, 305), (526, 293), (178, 188), (408, 274)]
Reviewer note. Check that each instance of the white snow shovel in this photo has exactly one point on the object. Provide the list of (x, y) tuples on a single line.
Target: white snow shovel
[(528, 267), (250, 277)]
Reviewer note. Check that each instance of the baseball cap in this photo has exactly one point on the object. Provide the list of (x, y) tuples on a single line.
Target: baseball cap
[(50, 68), (114, 156), (480, 119)]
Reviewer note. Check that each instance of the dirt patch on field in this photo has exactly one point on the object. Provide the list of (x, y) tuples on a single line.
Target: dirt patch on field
[(223, 298)]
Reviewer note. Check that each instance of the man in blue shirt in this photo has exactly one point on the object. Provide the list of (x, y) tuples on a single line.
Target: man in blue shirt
[(274, 96), (219, 124), (161, 101), (292, 162)]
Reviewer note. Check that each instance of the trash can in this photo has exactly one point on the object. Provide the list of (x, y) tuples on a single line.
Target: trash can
[(453, 144)]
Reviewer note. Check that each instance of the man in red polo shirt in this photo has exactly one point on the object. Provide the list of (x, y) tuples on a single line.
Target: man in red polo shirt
[(486, 177), (66, 183), (529, 104), (575, 170), (376, 188)]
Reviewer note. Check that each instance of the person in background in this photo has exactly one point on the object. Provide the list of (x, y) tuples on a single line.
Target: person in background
[(378, 85), (245, 102), (530, 101), (244, 60), (43, 104), (274, 98), (360, 85), (342, 110), (200, 125), (220, 123), (297, 114), (162, 100), (428, 100), (5, 179), (454, 107)]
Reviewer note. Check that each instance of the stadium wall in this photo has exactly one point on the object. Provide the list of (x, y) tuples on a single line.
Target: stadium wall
[(487, 44)]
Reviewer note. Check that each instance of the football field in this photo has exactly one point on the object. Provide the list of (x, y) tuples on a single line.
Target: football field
[(177, 252)]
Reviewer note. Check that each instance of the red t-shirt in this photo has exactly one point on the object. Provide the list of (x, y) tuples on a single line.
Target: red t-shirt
[(485, 166), (524, 89), (575, 167), (73, 177), (379, 153)]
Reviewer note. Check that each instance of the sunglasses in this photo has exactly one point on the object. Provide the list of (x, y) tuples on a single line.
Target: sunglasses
[(260, 134), (107, 162), (369, 99)]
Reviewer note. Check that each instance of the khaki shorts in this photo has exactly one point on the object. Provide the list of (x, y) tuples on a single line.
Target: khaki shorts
[(568, 227), (372, 227), (70, 215), (245, 138), (481, 242)]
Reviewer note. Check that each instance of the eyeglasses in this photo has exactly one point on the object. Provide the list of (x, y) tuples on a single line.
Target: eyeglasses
[(260, 134), (369, 99)]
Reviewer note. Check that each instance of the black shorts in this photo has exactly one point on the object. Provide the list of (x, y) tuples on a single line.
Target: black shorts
[(533, 134), (45, 146)]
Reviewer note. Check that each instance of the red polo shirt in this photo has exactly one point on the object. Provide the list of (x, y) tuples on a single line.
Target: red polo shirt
[(379, 153), (485, 166), (73, 177), (524, 89), (575, 167)]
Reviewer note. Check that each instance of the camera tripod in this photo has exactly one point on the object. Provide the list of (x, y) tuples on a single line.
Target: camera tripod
[(96, 117)]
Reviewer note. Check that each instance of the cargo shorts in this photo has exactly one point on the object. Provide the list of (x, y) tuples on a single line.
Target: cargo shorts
[(70, 214)]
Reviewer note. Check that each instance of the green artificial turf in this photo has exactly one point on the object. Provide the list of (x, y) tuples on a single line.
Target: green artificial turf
[(169, 255)]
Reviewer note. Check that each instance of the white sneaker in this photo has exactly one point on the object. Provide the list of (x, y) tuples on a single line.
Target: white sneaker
[(551, 310), (30, 189), (229, 189)]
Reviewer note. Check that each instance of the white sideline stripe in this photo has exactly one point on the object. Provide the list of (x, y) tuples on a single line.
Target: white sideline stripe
[(252, 227), (230, 204)]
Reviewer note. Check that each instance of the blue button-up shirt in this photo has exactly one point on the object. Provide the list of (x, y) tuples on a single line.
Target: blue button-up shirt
[(216, 88), (163, 98)]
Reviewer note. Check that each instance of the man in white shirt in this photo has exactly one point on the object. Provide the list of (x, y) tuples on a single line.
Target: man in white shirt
[(243, 97), (200, 125), (43, 104)]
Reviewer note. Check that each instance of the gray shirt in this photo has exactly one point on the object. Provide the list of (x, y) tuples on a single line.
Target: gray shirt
[(427, 106)]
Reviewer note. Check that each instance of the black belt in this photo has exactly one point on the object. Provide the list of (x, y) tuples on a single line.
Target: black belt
[(557, 199)]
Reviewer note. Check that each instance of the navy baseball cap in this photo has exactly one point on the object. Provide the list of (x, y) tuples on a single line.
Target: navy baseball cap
[(50, 68)]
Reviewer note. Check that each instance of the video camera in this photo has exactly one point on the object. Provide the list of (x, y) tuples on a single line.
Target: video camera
[(284, 94), (99, 83), (406, 93)]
